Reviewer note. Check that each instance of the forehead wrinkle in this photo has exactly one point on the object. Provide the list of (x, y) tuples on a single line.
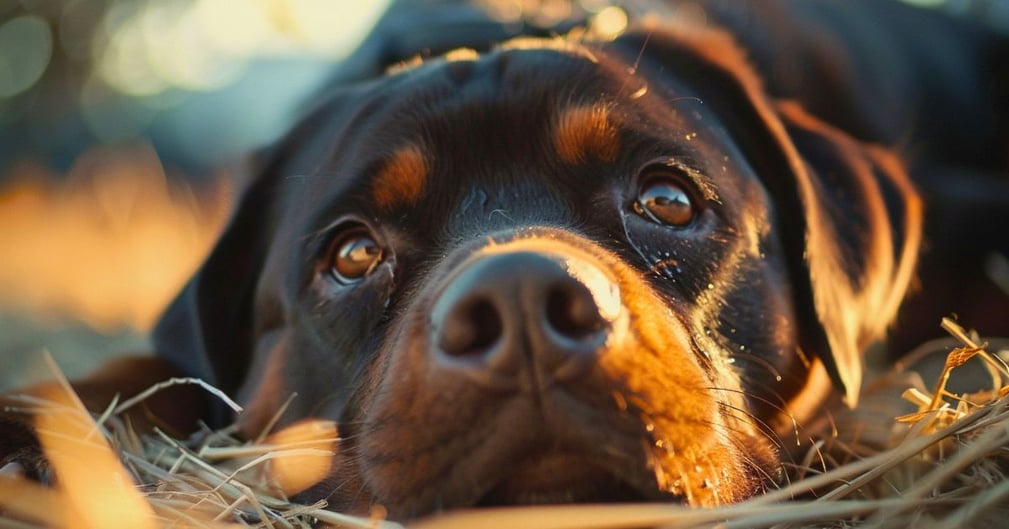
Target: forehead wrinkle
[(585, 131), (402, 179)]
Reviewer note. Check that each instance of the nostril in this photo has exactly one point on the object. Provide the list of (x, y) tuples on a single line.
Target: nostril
[(470, 328), (572, 311)]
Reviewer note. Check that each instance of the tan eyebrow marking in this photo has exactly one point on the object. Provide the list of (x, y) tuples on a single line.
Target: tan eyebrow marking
[(582, 132), (402, 179)]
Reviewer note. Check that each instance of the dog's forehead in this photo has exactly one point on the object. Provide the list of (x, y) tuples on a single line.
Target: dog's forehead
[(502, 103), (464, 116), (532, 125), (490, 119)]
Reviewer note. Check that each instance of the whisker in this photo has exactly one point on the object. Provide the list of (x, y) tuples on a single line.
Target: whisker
[(762, 426), (735, 437), (758, 360), (782, 409)]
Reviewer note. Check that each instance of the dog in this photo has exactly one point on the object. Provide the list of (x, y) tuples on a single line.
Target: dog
[(523, 261)]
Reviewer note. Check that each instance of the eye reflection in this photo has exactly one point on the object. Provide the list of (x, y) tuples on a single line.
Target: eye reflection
[(354, 255), (663, 199)]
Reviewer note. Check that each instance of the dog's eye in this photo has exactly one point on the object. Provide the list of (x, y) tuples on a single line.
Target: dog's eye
[(354, 254), (663, 199)]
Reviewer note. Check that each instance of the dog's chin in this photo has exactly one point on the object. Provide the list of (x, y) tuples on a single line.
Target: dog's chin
[(566, 478)]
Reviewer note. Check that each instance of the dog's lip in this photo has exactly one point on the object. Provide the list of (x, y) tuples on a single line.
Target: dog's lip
[(563, 477)]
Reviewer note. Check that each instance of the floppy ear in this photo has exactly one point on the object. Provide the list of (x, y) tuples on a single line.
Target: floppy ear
[(847, 215), (207, 330), (863, 231)]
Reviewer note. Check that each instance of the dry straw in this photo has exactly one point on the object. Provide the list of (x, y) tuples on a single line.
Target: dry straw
[(943, 465)]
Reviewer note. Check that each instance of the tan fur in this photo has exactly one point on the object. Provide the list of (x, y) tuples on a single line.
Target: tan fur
[(402, 180), (586, 132)]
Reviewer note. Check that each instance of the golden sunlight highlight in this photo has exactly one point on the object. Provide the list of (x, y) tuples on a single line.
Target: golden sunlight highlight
[(302, 454), (96, 489), (110, 244)]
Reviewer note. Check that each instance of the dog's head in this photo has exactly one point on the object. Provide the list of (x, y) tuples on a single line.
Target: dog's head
[(553, 271)]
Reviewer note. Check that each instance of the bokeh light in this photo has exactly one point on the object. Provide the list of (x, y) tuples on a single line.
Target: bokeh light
[(147, 47), (25, 47), (75, 73)]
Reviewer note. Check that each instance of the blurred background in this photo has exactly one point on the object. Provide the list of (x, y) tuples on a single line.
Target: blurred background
[(122, 128)]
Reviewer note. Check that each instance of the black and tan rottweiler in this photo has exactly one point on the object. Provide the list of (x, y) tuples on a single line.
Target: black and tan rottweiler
[(525, 261)]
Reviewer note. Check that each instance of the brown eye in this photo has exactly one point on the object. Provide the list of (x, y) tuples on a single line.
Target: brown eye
[(664, 200), (354, 255)]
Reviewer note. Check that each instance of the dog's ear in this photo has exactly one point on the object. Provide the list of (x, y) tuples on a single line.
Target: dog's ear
[(862, 222), (209, 330), (847, 215), (206, 332)]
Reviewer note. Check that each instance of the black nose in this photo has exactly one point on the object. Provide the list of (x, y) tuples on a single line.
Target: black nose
[(504, 312)]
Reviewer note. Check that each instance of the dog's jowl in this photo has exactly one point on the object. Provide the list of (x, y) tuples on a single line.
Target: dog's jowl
[(556, 267)]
